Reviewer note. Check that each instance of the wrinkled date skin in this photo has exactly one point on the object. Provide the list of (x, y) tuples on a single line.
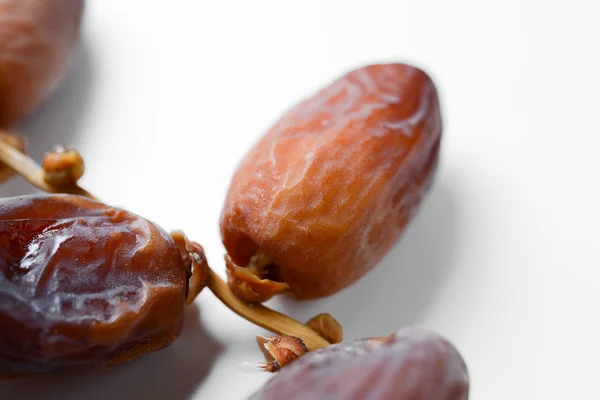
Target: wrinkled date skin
[(412, 364), (82, 283), (37, 39), (329, 189)]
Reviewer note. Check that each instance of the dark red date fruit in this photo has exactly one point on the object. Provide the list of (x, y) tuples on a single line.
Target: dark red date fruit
[(412, 364), (82, 283)]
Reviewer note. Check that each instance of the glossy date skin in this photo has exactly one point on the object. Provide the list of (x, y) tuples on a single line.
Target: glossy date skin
[(412, 364), (329, 189), (82, 283)]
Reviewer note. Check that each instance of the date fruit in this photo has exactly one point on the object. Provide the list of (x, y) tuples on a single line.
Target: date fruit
[(82, 283), (412, 364), (37, 39), (325, 194)]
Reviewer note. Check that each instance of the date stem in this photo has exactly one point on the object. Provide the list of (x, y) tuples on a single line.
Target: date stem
[(32, 172), (259, 315), (263, 316)]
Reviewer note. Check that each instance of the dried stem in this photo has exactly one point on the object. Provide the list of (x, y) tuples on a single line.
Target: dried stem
[(30, 170), (260, 315), (264, 316)]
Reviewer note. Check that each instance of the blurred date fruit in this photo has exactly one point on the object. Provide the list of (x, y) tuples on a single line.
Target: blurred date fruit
[(325, 194), (82, 283), (37, 39), (412, 364)]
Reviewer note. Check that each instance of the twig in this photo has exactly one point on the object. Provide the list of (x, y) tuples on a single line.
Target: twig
[(30, 170), (265, 317)]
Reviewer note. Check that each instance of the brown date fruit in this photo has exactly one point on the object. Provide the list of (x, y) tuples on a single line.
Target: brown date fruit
[(329, 189), (37, 39), (412, 364), (82, 283)]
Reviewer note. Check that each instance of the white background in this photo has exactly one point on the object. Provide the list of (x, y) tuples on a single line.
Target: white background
[(164, 99)]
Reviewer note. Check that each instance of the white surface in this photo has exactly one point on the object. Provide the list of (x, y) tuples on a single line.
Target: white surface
[(166, 97)]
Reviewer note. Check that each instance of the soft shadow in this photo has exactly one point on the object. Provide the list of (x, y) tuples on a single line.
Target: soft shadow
[(399, 290), (173, 373), (59, 119)]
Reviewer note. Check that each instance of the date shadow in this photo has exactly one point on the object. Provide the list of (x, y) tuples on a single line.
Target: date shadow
[(59, 119), (173, 373), (398, 291)]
